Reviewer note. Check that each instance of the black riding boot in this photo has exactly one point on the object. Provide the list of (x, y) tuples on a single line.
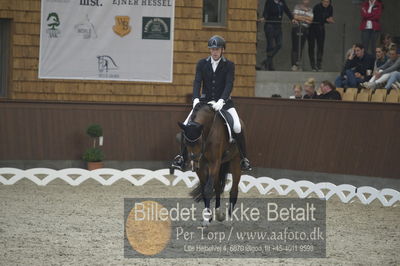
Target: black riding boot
[(244, 163), (180, 160)]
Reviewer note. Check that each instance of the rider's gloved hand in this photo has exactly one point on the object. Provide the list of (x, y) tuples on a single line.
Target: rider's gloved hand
[(195, 102), (212, 103), (217, 105)]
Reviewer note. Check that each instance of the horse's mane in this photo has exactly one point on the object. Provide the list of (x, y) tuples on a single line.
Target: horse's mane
[(198, 107)]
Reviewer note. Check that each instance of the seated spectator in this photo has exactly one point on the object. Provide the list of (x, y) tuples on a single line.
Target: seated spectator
[(309, 88), (328, 92), (394, 81), (298, 92), (356, 67), (387, 42), (304, 15), (383, 73), (380, 58)]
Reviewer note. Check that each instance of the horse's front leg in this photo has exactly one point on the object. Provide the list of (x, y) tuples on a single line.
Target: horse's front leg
[(219, 185), (236, 174), (208, 191)]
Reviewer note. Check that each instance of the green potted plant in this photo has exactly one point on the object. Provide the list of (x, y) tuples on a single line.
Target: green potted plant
[(94, 156)]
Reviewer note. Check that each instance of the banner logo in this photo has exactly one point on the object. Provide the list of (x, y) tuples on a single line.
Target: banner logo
[(86, 28), (156, 28), (122, 26), (53, 21), (106, 63)]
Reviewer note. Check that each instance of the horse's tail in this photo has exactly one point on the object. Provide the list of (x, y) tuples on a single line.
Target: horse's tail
[(223, 174), (197, 192)]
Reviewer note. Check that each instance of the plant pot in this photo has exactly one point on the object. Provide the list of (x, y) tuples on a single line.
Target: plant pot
[(94, 165)]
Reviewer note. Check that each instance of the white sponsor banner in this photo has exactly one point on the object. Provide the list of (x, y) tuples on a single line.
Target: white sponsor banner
[(125, 40)]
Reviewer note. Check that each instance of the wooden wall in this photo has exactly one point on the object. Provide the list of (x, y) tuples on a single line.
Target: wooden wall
[(190, 45), (320, 136)]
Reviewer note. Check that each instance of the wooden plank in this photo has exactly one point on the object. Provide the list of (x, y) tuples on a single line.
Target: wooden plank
[(188, 24), (188, 12), (248, 4), (26, 40), (242, 14), (27, 28), (239, 25)]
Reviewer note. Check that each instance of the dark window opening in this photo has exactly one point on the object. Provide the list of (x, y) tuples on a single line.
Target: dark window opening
[(5, 29), (214, 12)]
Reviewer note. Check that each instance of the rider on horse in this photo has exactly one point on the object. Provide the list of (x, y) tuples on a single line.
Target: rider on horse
[(215, 74)]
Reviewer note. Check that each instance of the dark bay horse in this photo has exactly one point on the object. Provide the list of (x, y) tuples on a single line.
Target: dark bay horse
[(212, 157)]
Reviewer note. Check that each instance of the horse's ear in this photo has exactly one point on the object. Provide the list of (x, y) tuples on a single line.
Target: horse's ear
[(181, 125)]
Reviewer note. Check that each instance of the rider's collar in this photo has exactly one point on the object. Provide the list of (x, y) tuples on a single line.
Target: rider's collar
[(222, 57)]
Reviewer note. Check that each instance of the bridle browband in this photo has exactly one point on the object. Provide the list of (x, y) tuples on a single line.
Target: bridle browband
[(192, 140)]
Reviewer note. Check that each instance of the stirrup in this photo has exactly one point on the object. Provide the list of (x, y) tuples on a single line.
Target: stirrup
[(245, 165), (178, 162)]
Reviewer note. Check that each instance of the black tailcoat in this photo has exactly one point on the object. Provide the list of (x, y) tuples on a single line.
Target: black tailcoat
[(214, 85)]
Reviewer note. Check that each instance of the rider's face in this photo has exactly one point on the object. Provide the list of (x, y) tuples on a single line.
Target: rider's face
[(216, 53)]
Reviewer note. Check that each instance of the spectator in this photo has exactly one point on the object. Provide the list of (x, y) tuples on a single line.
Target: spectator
[(380, 58), (323, 13), (309, 88), (371, 11), (272, 16), (328, 92), (387, 42), (304, 16), (357, 66), (298, 92), (383, 73), (394, 81)]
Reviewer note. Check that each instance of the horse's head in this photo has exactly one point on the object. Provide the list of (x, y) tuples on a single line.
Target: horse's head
[(193, 139)]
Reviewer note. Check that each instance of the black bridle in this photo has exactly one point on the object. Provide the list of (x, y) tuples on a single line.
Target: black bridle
[(195, 158)]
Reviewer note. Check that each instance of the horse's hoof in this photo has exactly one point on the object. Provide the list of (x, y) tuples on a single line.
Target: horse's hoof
[(171, 170), (220, 215), (205, 223)]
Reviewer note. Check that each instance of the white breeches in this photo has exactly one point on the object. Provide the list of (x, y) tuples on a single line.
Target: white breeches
[(237, 127), (383, 79)]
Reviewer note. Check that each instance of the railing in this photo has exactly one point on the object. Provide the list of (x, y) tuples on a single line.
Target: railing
[(337, 42)]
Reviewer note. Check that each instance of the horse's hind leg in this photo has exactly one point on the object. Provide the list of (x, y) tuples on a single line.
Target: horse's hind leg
[(236, 174)]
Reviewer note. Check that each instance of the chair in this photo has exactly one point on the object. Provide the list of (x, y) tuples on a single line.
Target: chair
[(392, 98), (353, 90), (378, 98), (368, 91), (349, 96), (381, 91), (341, 91), (362, 97), (394, 92)]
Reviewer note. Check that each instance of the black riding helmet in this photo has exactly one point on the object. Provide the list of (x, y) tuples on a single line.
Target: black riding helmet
[(216, 41)]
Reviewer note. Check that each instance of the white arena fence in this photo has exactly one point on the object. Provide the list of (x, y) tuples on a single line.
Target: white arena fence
[(265, 185)]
